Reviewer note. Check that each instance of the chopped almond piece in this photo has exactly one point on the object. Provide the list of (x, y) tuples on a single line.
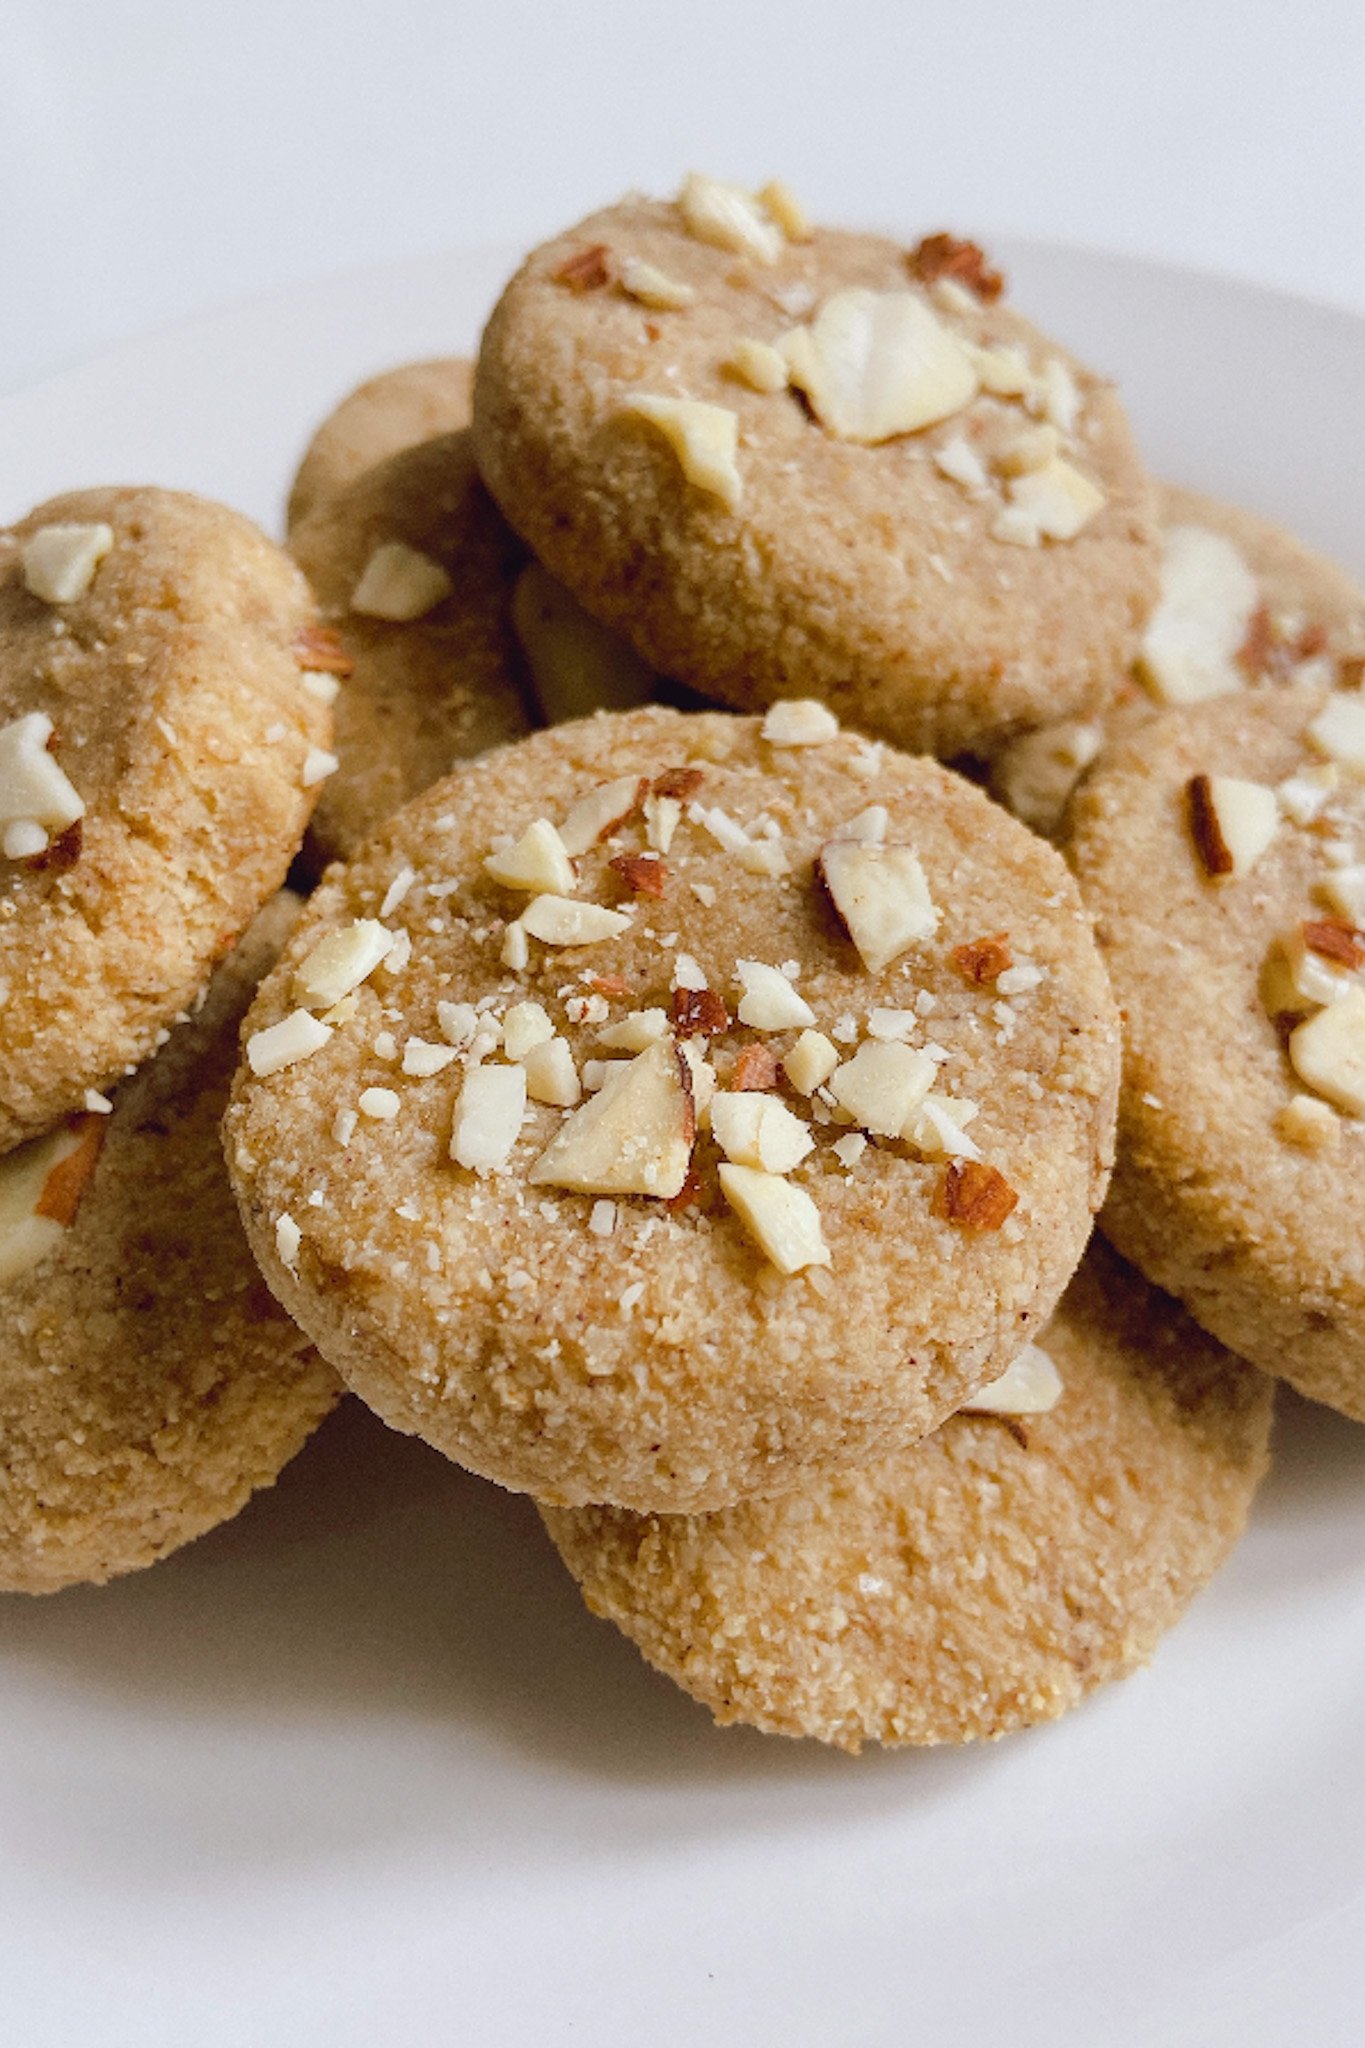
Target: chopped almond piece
[(558, 922), (613, 986), (1335, 940), (699, 1013), (1031, 1386), (1344, 892), (69, 1175), (883, 1086), (1190, 649), (276, 1046), (981, 960), (757, 1067), (399, 584), (488, 1116), (1338, 731), (1231, 822), (681, 783), (799, 722), (29, 1226), (634, 1137), (654, 287), (976, 1196), (1328, 1052), (524, 1026), (59, 561), (704, 437), (537, 863), (727, 217), (634, 1032), (770, 1002), (551, 1075), (1311, 1124), (782, 1220), (644, 874), (786, 209), (965, 263), (757, 1130), (598, 814), (318, 650), (340, 962), (881, 894), (34, 790), (759, 365), (587, 270), (810, 1062), (875, 365)]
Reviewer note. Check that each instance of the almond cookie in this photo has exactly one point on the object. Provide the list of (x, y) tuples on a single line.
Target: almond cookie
[(987, 1579), (161, 747), (1222, 851), (414, 568), (1242, 605), (149, 1384), (397, 409), (587, 1090), (786, 461)]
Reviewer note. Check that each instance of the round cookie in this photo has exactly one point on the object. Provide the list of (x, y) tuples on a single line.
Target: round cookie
[(1273, 612), (1240, 1183), (397, 409), (148, 1383), (768, 555), (423, 691), (983, 1581), (183, 722), (604, 1305)]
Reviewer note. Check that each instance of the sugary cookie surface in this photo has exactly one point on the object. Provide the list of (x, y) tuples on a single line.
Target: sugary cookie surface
[(148, 1383), (983, 1581), (400, 408), (593, 1091), (161, 746), (1222, 850), (414, 569), (765, 452)]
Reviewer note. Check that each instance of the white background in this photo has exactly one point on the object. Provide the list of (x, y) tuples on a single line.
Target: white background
[(161, 156)]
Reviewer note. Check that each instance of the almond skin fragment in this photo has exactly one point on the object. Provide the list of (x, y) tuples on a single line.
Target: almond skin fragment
[(67, 1182), (1212, 848), (587, 270), (756, 1068), (681, 783), (613, 986), (976, 1196), (61, 853), (319, 650), (1335, 940), (981, 960), (964, 262), (699, 1013), (644, 874)]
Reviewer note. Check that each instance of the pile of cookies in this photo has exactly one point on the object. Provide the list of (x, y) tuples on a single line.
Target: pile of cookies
[(682, 1097)]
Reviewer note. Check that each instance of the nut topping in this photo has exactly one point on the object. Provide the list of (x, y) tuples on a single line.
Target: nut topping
[(699, 1013), (634, 1137), (875, 365), (318, 650), (59, 561), (399, 584), (1031, 1386), (705, 439), (965, 263), (976, 1196), (881, 895), (1231, 822), (644, 874), (981, 960), (1328, 1052), (587, 270), (782, 1220), (537, 863), (1336, 940)]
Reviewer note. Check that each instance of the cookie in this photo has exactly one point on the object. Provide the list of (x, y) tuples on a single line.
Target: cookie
[(397, 409), (987, 1579), (148, 1382), (630, 1281), (945, 532), (1243, 605), (414, 569), (160, 751), (1222, 850)]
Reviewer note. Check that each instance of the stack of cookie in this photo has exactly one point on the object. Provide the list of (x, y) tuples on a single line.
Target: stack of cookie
[(162, 733), (696, 1117)]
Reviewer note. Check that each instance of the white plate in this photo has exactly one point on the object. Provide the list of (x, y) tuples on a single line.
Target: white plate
[(359, 1769)]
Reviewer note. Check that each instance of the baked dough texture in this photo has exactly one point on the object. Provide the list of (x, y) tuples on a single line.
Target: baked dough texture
[(986, 1580), (858, 574), (427, 692), (666, 1363), (148, 1382), (181, 715), (1261, 1238), (397, 409)]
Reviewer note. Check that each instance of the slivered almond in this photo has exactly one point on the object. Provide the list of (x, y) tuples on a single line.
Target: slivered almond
[(976, 1196)]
